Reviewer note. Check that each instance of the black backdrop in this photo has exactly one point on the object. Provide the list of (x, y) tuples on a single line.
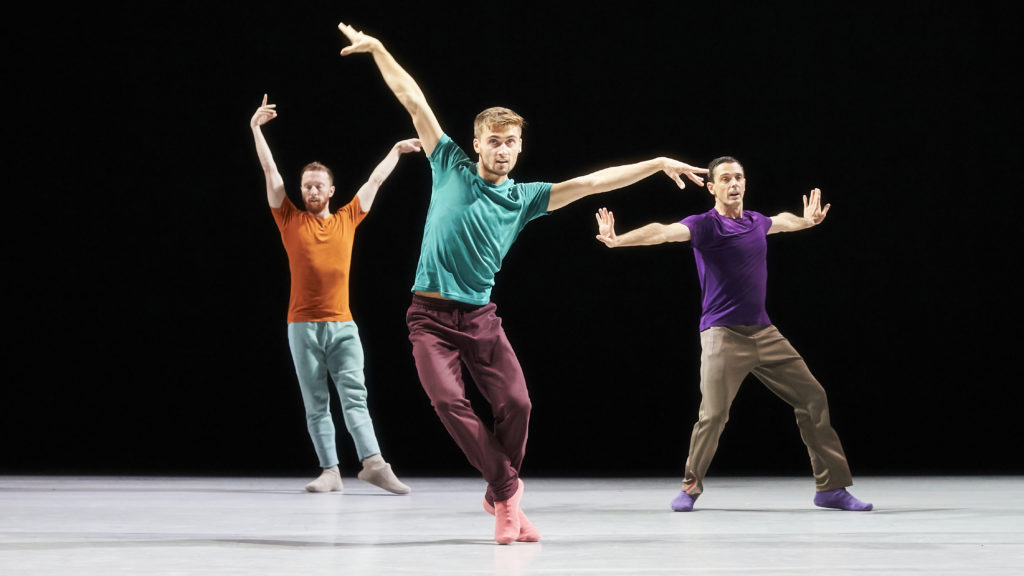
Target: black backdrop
[(147, 287)]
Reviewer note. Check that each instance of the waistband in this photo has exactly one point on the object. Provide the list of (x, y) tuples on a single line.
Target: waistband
[(444, 304)]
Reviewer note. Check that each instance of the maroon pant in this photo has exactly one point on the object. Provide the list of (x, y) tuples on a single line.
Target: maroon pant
[(447, 335)]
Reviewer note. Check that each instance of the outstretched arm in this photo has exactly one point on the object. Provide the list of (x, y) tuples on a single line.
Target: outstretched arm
[(401, 84), (648, 235), (814, 214), (368, 191), (617, 177), (275, 184)]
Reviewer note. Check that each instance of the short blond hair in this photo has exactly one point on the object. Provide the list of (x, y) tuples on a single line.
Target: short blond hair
[(497, 117)]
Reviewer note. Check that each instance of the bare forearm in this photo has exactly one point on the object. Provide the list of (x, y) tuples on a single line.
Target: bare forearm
[(398, 80), (368, 191), (386, 166), (648, 235), (604, 180), (788, 222), (275, 184), (618, 176), (263, 150), (409, 95)]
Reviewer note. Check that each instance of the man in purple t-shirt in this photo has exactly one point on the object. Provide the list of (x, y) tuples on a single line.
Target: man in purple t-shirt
[(737, 337)]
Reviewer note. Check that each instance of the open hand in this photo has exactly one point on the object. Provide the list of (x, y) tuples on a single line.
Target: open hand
[(606, 227), (812, 208), (674, 168)]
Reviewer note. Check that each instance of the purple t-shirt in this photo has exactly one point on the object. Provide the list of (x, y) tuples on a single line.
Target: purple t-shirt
[(732, 266)]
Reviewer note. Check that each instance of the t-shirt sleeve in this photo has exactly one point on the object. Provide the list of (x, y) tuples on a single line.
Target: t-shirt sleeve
[(536, 199), (695, 224), (353, 211), (283, 213), (763, 222), (446, 154)]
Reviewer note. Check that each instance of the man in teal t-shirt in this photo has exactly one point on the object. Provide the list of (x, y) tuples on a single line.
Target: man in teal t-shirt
[(471, 224), (476, 211)]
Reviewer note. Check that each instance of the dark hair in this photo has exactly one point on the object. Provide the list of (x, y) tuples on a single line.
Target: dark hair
[(718, 161)]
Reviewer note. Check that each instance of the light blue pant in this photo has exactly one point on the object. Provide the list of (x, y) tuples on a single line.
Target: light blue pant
[(332, 349)]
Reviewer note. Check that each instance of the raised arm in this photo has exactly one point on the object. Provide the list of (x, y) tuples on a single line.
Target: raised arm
[(617, 177), (368, 191), (814, 214), (275, 184), (401, 84), (648, 235)]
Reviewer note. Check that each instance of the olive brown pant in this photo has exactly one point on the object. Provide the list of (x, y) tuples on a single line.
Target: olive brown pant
[(728, 355)]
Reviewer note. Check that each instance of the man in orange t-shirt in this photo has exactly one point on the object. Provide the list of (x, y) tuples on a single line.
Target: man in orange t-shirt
[(322, 334)]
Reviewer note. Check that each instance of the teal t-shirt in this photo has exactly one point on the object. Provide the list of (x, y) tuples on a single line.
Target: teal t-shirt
[(471, 224)]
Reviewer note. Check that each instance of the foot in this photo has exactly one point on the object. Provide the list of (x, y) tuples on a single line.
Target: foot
[(329, 481), (378, 472), (527, 531), (683, 502), (840, 499), (506, 517)]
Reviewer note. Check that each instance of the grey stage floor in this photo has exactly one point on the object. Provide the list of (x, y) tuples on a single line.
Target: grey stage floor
[(166, 525)]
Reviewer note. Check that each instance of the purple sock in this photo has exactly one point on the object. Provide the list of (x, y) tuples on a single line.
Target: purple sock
[(683, 502), (840, 499)]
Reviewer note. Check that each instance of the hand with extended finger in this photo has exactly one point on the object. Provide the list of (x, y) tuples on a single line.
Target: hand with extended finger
[(265, 113), (360, 42)]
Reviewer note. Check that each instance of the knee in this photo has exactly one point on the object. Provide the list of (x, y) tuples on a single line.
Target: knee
[(351, 384), (522, 404), (815, 412), (317, 414), (515, 406), (714, 419), (449, 403)]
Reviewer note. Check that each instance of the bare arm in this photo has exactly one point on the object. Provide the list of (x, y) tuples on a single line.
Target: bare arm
[(617, 177), (814, 214), (401, 84), (368, 191), (275, 184), (648, 235)]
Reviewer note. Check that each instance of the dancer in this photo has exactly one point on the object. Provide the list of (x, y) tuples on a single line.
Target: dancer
[(322, 335), (476, 211), (737, 337)]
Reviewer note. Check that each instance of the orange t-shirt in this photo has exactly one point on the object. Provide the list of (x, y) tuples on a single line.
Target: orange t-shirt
[(319, 256)]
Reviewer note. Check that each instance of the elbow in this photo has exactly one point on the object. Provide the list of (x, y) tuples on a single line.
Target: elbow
[(412, 101)]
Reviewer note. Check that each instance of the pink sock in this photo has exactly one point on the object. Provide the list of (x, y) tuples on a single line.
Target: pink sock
[(527, 531)]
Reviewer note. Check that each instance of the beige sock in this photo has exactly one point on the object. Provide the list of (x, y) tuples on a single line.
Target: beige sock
[(378, 472), (329, 481)]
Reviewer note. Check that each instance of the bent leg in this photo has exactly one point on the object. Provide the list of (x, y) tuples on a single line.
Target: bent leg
[(786, 374), (437, 356), (493, 364)]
